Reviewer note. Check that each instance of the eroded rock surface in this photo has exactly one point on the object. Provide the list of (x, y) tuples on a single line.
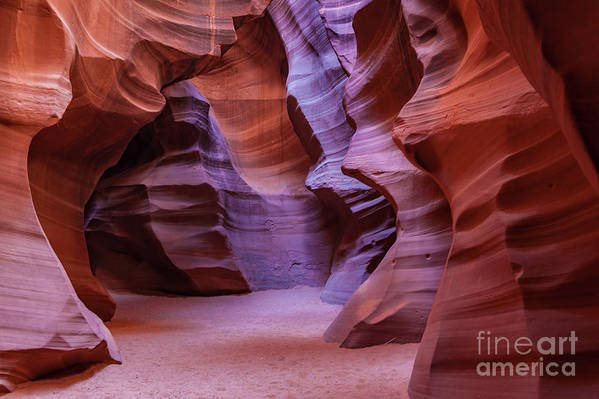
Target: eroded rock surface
[(549, 42), (78, 80), (298, 141), (315, 86), (156, 221), (524, 215), (281, 234), (393, 304)]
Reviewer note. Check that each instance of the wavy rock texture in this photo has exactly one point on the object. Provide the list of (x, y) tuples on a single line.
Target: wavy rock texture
[(280, 233), (116, 76), (549, 41), (338, 18), (284, 171), (315, 86), (43, 325), (393, 304), (61, 61), (524, 216), (156, 221), (248, 94)]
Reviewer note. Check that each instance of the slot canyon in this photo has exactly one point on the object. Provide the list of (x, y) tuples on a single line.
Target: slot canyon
[(299, 199)]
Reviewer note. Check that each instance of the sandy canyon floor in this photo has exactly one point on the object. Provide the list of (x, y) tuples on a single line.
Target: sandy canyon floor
[(262, 345)]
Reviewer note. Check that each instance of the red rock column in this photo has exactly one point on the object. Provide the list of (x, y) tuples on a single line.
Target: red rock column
[(43, 324), (394, 303), (113, 58), (550, 41), (525, 219)]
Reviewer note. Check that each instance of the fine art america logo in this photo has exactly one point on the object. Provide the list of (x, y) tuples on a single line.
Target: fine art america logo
[(492, 346)]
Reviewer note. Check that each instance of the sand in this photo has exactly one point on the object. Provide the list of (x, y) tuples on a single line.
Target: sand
[(262, 345)]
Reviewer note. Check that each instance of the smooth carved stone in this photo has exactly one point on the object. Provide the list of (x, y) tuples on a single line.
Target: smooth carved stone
[(338, 18), (393, 304), (43, 324), (116, 76), (156, 221), (315, 86), (78, 80), (524, 217), (280, 233), (284, 175), (549, 40)]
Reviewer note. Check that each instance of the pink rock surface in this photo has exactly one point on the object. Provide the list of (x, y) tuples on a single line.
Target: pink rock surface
[(156, 221), (338, 19), (524, 216), (116, 77), (266, 223), (280, 233), (549, 42), (371, 147), (315, 86), (393, 304), (78, 81)]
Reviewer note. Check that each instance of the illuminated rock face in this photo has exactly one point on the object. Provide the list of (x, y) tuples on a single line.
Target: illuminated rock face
[(177, 212), (266, 222), (548, 41), (393, 305), (116, 75), (315, 84), (281, 235), (78, 80), (408, 156), (524, 215)]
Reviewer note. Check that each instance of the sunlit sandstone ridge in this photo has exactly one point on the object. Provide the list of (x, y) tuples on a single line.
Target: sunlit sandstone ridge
[(407, 156)]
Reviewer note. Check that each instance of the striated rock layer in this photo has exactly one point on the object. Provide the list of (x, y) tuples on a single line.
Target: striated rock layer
[(338, 19), (325, 130), (549, 40), (78, 80), (315, 86), (156, 221), (283, 139), (393, 304), (524, 216), (282, 130), (280, 233), (117, 75)]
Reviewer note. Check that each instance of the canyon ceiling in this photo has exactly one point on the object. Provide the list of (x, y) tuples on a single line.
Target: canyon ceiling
[(432, 164)]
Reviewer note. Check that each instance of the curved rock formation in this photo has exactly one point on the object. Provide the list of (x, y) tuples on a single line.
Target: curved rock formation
[(280, 233), (117, 76), (63, 62), (315, 88), (323, 122), (338, 18), (156, 221), (549, 40), (521, 208), (393, 304), (43, 324), (248, 94)]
